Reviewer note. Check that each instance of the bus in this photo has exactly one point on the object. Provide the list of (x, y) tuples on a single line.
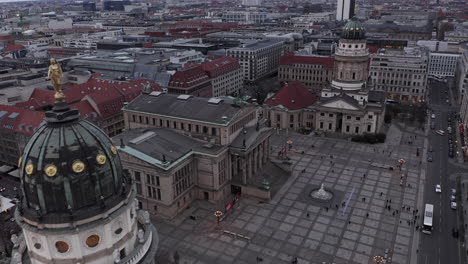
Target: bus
[(428, 216)]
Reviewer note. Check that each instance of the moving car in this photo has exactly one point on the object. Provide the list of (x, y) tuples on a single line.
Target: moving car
[(453, 191), (438, 189), (433, 116), (440, 132), (453, 205), (453, 198), (429, 158)]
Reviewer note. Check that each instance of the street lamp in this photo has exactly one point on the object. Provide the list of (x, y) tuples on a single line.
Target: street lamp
[(378, 259), (289, 142), (218, 215), (401, 162)]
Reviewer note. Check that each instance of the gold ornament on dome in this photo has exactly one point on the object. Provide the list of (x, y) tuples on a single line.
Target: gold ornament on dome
[(20, 160), (101, 159), (114, 150), (50, 170), (29, 169), (78, 166)]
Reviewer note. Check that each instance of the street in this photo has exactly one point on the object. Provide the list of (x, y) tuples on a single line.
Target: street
[(440, 246)]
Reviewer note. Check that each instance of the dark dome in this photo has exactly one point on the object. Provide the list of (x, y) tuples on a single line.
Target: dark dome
[(69, 170), (354, 30)]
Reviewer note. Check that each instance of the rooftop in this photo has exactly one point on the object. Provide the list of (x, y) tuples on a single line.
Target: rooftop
[(292, 97), (186, 107)]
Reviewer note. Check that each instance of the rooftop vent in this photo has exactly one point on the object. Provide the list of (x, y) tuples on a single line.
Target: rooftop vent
[(184, 97), (142, 138), (156, 94), (215, 101)]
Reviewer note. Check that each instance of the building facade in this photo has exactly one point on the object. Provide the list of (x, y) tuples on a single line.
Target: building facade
[(461, 85), (348, 106), (291, 108), (315, 72), (190, 80), (442, 64), (400, 73), (345, 9), (226, 76), (183, 148), (258, 58)]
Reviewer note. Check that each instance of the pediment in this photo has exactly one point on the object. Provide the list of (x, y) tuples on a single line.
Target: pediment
[(340, 104)]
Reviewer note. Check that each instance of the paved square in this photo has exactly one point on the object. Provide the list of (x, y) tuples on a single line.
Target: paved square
[(371, 213)]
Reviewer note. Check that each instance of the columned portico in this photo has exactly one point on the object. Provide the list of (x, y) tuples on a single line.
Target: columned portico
[(252, 153)]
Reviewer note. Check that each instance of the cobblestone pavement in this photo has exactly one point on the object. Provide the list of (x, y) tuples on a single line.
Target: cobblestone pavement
[(353, 227)]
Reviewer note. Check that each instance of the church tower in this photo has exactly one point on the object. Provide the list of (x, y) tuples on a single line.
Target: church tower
[(351, 63), (78, 205)]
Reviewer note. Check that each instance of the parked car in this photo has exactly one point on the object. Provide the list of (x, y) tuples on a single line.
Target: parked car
[(440, 132), (453, 198), (438, 189), (433, 116), (453, 191), (429, 158), (451, 154), (453, 205)]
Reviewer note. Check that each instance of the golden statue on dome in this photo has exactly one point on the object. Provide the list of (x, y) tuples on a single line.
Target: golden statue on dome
[(55, 76)]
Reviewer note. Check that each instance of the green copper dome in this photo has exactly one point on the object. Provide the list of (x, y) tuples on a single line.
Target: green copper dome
[(354, 29)]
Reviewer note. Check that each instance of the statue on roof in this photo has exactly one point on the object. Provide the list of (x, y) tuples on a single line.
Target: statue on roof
[(55, 76)]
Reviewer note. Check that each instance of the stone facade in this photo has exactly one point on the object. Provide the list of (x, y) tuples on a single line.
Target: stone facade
[(401, 74), (315, 72), (216, 153), (259, 58)]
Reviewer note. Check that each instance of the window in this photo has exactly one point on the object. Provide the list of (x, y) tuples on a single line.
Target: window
[(92, 240), (137, 176), (321, 125), (213, 131), (347, 128), (330, 115), (322, 114), (354, 76), (329, 126), (370, 116), (356, 130), (348, 117), (62, 247), (291, 118), (368, 128), (278, 118), (358, 118), (174, 124)]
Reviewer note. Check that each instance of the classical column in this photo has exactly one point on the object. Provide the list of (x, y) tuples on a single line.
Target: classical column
[(254, 161), (249, 166), (244, 170), (266, 150), (261, 148)]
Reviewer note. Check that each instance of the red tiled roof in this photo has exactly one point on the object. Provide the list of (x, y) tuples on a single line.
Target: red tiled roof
[(26, 121), (13, 47), (86, 110), (39, 98), (372, 49), (290, 58), (292, 96), (105, 97), (220, 66), (188, 77)]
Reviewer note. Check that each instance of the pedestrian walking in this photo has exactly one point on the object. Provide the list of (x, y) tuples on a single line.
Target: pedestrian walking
[(349, 222), (393, 213), (381, 193), (390, 201), (308, 214), (336, 206), (367, 215)]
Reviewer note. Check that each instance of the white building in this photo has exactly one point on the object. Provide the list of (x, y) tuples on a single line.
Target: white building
[(402, 74), (461, 84), (187, 56), (345, 9), (442, 64), (258, 58), (251, 2)]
